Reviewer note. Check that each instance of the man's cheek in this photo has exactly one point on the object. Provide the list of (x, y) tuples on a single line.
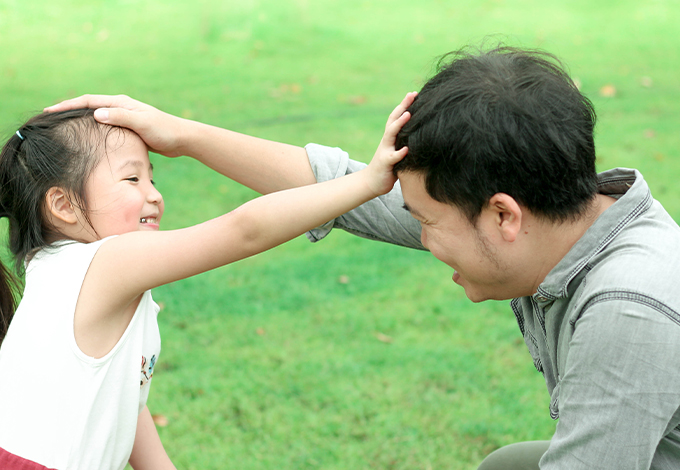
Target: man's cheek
[(438, 253)]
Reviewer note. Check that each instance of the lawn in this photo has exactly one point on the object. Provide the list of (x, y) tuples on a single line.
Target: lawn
[(347, 354)]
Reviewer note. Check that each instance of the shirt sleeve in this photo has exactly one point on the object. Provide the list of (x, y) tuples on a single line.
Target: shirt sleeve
[(383, 218), (620, 391)]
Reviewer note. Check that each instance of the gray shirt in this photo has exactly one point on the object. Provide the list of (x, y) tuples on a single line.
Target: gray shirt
[(603, 327)]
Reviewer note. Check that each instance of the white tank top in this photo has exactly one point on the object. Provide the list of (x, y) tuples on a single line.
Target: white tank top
[(59, 407)]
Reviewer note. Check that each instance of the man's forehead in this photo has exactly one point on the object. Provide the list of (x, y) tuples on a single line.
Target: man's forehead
[(420, 204), (414, 192), (412, 181)]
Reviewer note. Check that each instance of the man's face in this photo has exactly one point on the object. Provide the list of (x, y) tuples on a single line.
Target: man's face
[(472, 252)]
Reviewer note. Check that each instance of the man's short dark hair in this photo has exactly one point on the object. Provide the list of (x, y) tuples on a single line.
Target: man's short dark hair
[(503, 121)]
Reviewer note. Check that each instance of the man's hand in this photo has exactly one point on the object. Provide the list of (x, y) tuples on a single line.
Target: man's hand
[(162, 132)]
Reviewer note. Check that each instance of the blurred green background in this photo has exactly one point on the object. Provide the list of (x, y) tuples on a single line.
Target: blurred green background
[(349, 353)]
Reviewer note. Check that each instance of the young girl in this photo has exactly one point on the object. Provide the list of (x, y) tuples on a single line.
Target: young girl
[(77, 359)]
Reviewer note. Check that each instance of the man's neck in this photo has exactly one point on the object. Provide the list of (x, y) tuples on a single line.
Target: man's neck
[(557, 239)]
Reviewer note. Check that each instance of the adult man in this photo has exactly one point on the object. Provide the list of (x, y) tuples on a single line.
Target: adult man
[(500, 174)]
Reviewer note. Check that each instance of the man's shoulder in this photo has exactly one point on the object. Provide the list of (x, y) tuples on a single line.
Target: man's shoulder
[(648, 244), (640, 265)]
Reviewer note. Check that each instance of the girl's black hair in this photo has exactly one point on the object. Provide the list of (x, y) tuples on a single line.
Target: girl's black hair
[(50, 150)]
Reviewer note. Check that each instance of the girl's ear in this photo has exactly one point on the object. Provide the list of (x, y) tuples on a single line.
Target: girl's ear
[(59, 205)]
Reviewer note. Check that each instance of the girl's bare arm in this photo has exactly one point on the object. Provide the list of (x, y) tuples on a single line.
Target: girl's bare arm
[(148, 452), (127, 265), (262, 165)]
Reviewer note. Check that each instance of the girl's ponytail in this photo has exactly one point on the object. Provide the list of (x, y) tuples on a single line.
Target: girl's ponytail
[(50, 149), (8, 292), (8, 304)]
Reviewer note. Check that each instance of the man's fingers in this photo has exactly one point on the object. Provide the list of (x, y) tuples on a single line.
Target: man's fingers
[(94, 101), (119, 110), (84, 101), (102, 115), (115, 117)]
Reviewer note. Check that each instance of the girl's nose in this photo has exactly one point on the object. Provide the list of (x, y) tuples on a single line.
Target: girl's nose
[(154, 196)]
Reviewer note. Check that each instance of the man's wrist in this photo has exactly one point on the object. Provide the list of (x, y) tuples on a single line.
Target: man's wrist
[(188, 135)]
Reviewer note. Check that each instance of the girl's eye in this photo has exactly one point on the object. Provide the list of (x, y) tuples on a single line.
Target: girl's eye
[(134, 179), (153, 182)]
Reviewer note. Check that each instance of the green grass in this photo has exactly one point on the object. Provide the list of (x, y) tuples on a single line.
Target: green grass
[(272, 362)]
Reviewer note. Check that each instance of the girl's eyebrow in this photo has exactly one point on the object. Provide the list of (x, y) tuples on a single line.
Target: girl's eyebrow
[(135, 163)]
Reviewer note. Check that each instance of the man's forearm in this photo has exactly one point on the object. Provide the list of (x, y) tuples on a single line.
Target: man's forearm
[(262, 165), (259, 164)]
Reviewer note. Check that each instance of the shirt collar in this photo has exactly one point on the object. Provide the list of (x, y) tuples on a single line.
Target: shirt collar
[(634, 198)]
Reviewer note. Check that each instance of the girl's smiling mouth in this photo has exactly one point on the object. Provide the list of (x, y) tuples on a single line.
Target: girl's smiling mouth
[(148, 220)]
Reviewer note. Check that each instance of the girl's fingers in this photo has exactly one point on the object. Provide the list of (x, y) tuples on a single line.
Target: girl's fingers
[(398, 156), (401, 107), (393, 128)]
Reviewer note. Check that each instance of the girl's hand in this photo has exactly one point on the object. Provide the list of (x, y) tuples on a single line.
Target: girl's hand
[(380, 173), (162, 132)]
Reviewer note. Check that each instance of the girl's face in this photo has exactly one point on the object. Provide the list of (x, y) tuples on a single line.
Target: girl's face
[(120, 192)]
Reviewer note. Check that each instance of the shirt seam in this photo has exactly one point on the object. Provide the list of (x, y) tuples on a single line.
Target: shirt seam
[(630, 296)]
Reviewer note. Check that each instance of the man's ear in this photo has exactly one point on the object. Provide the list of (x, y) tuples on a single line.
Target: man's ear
[(59, 205), (507, 215)]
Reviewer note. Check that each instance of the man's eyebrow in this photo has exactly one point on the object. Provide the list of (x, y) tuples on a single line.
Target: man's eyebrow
[(412, 211)]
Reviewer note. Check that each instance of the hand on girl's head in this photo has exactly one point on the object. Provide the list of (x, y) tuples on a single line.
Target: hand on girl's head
[(65, 151), (159, 130)]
